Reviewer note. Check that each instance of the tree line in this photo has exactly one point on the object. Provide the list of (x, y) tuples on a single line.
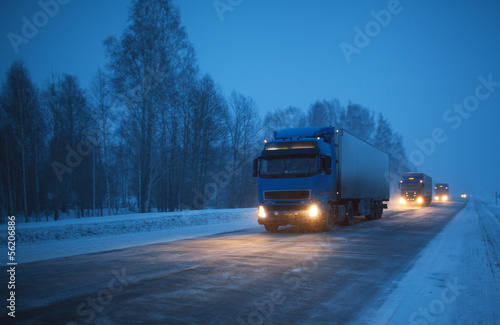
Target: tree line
[(150, 134)]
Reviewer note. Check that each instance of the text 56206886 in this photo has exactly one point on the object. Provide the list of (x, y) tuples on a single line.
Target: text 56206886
[(11, 285)]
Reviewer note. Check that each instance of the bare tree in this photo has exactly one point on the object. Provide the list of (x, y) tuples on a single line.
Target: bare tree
[(20, 108), (359, 120), (243, 124), (325, 113), (281, 118), (145, 64), (383, 136), (102, 108)]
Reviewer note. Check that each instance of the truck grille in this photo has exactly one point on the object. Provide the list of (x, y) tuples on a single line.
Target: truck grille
[(287, 195), (273, 208)]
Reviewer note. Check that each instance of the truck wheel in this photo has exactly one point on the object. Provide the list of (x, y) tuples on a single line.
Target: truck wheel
[(373, 212), (379, 209), (271, 227), (329, 219), (349, 215)]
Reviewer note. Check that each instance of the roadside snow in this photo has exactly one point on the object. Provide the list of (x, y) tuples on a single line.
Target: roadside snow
[(46, 240), (455, 279)]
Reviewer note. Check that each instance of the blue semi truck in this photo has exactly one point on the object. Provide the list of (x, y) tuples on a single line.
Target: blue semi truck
[(320, 176), (416, 189), (441, 192)]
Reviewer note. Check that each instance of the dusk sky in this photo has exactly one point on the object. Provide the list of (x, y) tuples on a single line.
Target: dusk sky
[(431, 67)]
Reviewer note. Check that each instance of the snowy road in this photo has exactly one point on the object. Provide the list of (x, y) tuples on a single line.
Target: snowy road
[(392, 270)]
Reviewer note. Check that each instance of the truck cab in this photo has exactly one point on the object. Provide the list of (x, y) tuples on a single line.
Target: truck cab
[(416, 189), (441, 192), (295, 178)]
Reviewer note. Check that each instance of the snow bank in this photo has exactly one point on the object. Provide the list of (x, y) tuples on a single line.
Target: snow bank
[(47, 240), (454, 280), (123, 224)]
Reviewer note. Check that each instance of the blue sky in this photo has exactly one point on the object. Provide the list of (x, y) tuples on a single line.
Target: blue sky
[(427, 58)]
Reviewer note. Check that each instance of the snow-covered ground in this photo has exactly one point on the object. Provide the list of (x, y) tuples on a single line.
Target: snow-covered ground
[(46, 240), (454, 280)]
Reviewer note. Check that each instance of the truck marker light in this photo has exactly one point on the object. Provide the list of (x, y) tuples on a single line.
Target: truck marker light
[(421, 181), (262, 212), (313, 210)]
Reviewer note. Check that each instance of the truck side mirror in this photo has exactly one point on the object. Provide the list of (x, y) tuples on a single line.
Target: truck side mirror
[(326, 164), (255, 167)]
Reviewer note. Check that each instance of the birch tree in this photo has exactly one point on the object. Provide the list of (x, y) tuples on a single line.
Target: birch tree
[(145, 64)]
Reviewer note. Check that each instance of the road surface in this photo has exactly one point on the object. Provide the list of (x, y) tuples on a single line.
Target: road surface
[(243, 277)]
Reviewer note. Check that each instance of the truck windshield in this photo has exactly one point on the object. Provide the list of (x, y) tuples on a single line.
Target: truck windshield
[(411, 186), (289, 166)]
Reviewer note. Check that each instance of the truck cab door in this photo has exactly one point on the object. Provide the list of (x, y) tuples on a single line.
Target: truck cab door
[(326, 177)]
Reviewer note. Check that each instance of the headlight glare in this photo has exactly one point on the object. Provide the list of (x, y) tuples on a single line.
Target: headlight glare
[(313, 210), (262, 212)]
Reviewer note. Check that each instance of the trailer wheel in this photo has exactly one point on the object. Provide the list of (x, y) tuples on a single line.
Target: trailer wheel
[(271, 227), (349, 215)]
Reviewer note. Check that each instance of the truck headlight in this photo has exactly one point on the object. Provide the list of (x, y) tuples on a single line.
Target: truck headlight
[(445, 198), (262, 212), (437, 198), (313, 210), (403, 201), (420, 200)]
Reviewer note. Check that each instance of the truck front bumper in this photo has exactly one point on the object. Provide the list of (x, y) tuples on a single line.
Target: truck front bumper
[(304, 214)]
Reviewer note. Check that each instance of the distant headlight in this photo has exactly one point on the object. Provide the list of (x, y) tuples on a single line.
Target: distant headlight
[(403, 201), (313, 210), (445, 198), (420, 200), (262, 212), (437, 198)]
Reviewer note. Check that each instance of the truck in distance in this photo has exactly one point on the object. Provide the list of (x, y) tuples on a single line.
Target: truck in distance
[(319, 176), (441, 192), (416, 189)]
